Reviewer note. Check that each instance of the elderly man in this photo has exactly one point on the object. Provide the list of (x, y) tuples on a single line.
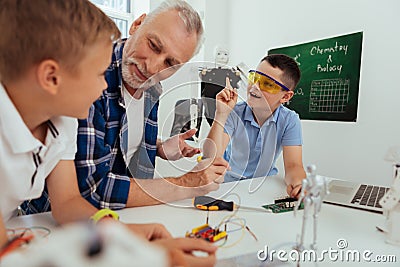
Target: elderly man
[(117, 143), (118, 140)]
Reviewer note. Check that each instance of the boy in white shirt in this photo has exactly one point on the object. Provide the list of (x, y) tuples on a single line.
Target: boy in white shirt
[(54, 55)]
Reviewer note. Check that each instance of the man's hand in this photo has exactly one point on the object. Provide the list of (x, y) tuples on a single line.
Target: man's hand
[(226, 99), (175, 147), (3, 233), (181, 251), (205, 176), (151, 231)]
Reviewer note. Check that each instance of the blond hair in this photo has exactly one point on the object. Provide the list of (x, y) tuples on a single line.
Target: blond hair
[(33, 31)]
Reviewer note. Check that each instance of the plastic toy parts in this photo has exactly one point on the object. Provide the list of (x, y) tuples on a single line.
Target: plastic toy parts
[(207, 233)]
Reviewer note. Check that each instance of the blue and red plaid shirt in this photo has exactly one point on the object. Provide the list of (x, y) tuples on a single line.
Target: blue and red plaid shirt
[(101, 165)]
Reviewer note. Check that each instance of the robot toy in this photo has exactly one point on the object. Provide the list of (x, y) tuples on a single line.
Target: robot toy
[(314, 189)]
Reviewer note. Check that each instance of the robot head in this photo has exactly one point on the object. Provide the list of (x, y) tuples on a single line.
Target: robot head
[(311, 170), (221, 55)]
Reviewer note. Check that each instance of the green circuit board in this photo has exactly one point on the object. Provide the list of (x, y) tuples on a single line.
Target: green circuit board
[(283, 206)]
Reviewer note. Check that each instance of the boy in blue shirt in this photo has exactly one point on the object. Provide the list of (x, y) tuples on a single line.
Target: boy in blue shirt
[(252, 134)]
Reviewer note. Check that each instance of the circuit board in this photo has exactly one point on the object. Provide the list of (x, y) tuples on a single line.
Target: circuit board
[(283, 206), (207, 233)]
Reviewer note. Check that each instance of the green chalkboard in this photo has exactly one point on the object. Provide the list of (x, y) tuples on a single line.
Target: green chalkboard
[(330, 74)]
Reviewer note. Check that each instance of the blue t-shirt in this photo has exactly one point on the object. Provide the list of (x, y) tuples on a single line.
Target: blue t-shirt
[(253, 150)]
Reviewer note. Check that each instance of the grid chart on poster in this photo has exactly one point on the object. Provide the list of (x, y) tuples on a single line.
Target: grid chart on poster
[(329, 95)]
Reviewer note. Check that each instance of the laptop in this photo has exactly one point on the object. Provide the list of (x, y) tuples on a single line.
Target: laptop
[(355, 195)]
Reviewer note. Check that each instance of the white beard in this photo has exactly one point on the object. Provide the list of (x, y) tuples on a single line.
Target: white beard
[(131, 79)]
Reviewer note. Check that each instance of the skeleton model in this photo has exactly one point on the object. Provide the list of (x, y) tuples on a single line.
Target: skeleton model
[(314, 189), (390, 202), (391, 205)]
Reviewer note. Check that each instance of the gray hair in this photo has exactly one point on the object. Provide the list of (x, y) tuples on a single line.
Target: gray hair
[(189, 16)]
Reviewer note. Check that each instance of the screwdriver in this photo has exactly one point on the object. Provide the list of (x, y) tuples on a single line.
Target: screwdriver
[(212, 204)]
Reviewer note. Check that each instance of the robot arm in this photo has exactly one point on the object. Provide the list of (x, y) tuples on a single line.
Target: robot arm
[(392, 197)]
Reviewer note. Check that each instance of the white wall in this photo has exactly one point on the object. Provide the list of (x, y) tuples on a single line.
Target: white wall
[(215, 16), (352, 151), (139, 7)]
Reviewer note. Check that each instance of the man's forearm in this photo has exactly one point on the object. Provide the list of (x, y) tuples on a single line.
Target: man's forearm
[(145, 192), (3, 235), (158, 145)]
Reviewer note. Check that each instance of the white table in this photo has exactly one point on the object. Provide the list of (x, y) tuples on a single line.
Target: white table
[(356, 227)]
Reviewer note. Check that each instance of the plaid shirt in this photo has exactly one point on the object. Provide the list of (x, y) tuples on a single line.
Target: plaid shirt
[(101, 164)]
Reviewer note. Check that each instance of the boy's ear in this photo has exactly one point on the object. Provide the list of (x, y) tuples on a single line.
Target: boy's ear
[(48, 75), (287, 96), (136, 24)]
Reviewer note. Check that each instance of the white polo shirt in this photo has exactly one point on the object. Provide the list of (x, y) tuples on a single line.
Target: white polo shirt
[(25, 162)]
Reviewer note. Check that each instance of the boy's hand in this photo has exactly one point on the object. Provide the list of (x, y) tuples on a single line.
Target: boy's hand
[(181, 251), (226, 99), (294, 190), (150, 231)]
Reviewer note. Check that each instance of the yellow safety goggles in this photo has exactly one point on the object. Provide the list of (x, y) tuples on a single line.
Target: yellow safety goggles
[(265, 82)]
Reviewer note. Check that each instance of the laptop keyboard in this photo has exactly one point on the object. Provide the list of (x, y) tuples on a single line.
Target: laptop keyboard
[(369, 195)]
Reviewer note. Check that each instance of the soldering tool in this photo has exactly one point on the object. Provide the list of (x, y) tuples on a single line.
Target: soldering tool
[(212, 204)]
